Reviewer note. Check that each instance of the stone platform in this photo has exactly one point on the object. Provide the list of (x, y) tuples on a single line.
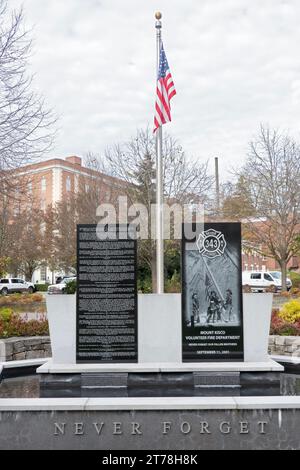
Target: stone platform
[(159, 379), (151, 423)]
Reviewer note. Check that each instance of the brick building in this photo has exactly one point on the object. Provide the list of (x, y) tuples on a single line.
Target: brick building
[(50, 181), (254, 261)]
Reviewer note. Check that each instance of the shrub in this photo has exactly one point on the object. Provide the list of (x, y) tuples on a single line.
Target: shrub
[(290, 311), (295, 291), (36, 297), (10, 299), (5, 313), (41, 287), (21, 299), (295, 278), (288, 330), (144, 285), (271, 289), (16, 326), (71, 287), (285, 294), (247, 289), (173, 285), (280, 327)]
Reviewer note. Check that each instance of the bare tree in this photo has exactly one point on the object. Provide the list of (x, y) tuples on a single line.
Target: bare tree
[(95, 189), (24, 121), (50, 253), (4, 233), (236, 200), (4, 224), (185, 181), (24, 245), (65, 233), (272, 176)]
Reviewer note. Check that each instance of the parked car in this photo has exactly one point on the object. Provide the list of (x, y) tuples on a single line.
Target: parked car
[(58, 279), (277, 275), (260, 280), (12, 284), (61, 286)]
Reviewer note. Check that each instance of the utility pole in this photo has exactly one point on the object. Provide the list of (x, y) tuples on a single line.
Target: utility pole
[(217, 185)]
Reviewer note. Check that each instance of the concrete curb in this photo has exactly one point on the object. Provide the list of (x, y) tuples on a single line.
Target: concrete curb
[(269, 366), (154, 403)]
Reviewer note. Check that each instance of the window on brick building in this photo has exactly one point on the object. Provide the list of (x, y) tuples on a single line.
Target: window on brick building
[(43, 273), (43, 184), (43, 228), (16, 210), (68, 183), (107, 195)]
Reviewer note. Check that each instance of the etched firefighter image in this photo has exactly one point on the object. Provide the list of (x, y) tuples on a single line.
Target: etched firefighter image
[(214, 286), (214, 308), (219, 310), (212, 321), (228, 304)]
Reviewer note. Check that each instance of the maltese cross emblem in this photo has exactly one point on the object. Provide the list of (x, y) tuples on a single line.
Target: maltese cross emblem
[(211, 243)]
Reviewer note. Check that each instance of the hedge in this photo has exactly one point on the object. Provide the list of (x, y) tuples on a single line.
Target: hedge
[(41, 287)]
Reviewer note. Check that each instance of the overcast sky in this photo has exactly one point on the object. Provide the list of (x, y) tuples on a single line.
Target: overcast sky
[(235, 64)]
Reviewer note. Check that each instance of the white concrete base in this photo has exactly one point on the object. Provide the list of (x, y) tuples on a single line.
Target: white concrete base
[(287, 359), (61, 314), (159, 328), (24, 363), (268, 366), (257, 320)]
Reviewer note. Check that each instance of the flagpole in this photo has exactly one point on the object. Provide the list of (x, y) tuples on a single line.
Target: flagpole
[(159, 181)]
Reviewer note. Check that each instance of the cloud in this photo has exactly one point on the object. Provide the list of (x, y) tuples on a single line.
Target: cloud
[(235, 64)]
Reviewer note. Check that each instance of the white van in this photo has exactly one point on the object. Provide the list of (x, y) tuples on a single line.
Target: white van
[(259, 281)]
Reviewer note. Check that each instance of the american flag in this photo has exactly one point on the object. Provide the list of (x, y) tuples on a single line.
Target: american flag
[(165, 91)]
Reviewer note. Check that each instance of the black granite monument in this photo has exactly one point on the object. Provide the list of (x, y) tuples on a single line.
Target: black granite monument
[(212, 310), (106, 297)]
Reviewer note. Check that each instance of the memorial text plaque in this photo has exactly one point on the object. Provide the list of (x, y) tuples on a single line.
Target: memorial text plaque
[(106, 298)]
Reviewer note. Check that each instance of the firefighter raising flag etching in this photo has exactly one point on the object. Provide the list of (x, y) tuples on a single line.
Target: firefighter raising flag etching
[(212, 322)]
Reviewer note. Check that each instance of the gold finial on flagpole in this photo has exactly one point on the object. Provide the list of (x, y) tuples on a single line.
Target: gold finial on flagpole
[(158, 15)]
